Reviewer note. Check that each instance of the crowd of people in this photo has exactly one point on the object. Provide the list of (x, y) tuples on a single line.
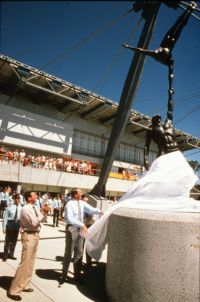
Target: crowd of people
[(49, 204), (42, 161), (23, 213)]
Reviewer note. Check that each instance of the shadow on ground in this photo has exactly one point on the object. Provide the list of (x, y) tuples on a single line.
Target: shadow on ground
[(94, 280), (1, 255), (5, 282), (94, 287), (49, 274)]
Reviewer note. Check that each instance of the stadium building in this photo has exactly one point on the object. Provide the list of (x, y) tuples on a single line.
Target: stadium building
[(48, 117)]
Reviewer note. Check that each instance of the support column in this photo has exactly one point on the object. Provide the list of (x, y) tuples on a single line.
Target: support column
[(129, 91)]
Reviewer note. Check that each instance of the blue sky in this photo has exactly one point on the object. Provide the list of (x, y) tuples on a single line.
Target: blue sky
[(51, 36)]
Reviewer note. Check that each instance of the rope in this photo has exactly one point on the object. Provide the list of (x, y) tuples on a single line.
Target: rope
[(86, 39)]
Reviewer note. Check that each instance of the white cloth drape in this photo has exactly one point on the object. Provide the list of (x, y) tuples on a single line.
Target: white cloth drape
[(165, 187)]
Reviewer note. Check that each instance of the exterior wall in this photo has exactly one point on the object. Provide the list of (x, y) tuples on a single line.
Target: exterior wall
[(24, 123), (90, 137), (25, 129)]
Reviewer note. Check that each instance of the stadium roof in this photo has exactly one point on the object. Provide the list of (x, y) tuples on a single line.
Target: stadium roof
[(21, 79)]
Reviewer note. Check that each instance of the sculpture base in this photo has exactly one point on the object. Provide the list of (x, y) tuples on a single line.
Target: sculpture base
[(153, 256)]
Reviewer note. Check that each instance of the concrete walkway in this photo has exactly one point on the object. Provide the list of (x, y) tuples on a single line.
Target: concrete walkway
[(48, 267)]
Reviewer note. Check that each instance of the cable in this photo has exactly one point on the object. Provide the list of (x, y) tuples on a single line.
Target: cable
[(92, 60), (185, 116), (115, 59), (178, 104), (185, 3), (191, 13), (86, 39)]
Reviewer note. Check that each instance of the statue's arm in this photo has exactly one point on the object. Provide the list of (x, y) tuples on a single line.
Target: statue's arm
[(146, 149)]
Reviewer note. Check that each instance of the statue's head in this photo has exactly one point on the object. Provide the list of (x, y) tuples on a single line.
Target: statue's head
[(156, 120)]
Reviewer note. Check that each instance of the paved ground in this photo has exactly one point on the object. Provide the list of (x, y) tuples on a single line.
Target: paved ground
[(47, 271)]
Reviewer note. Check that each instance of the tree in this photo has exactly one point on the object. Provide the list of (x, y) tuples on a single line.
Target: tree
[(195, 166)]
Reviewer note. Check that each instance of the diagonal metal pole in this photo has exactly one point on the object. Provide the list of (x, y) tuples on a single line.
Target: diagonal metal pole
[(128, 93)]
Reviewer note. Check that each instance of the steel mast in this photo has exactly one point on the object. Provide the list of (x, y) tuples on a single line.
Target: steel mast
[(149, 13)]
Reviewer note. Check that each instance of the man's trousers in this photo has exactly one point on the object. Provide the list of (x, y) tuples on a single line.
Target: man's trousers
[(24, 271), (12, 231), (74, 244)]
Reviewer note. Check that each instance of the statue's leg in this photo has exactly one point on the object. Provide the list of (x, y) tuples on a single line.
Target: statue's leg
[(171, 90), (173, 34)]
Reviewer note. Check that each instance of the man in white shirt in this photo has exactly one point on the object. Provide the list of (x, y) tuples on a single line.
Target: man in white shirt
[(75, 232)]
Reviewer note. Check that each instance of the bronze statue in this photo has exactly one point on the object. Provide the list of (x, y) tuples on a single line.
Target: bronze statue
[(163, 134)]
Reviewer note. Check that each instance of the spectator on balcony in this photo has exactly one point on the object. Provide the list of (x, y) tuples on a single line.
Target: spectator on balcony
[(59, 164), (10, 156), (126, 174), (54, 164), (56, 204), (66, 166), (37, 161), (15, 156), (89, 171), (50, 163), (75, 166), (46, 164), (84, 167), (2, 153), (26, 161), (42, 161), (21, 156)]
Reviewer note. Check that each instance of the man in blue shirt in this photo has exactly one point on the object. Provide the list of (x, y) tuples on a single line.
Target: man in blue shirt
[(11, 224), (75, 233), (5, 200)]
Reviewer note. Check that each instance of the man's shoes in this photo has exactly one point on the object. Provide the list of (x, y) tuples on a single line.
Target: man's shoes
[(14, 297), (4, 258), (12, 258), (28, 290)]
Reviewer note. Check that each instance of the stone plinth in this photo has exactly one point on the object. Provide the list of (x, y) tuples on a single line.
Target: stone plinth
[(153, 256)]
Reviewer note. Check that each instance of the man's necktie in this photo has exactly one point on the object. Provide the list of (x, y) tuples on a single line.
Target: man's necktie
[(35, 211), (79, 212)]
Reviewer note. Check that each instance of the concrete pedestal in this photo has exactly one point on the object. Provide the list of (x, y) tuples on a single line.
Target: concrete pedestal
[(153, 256)]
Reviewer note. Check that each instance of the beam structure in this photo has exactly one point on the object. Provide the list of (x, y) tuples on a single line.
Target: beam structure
[(128, 93)]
